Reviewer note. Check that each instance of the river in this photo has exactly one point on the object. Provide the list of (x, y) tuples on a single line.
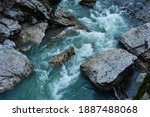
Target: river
[(106, 23)]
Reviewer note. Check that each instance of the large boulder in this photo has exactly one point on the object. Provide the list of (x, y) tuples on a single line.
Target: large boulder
[(62, 17), (14, 66), (108, 68), (32, 35), (88, 3), (137, 40)]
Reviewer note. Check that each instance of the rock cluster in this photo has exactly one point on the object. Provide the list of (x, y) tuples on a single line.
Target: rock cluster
[(23, 14), (108, 73), (24, 22)]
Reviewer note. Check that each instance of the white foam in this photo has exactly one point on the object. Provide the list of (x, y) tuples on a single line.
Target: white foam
[(85, 51), (63, 82), (70, 75), (86, 44)]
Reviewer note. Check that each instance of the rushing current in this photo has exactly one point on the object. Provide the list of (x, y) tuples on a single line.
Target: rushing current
[(106, 23)]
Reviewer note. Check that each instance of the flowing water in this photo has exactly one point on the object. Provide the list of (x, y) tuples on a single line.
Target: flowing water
[(48, 82)]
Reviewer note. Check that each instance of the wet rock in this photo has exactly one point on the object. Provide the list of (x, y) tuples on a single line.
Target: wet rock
[(63, 57), (34, 7), (107, 69), (136, 37), (33, 34), (88, 3), (62, 17), (14, 66)]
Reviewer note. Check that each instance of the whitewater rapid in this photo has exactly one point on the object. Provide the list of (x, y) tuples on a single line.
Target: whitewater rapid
[(106, 24)]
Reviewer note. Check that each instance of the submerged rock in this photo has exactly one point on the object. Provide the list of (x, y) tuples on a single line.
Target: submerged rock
[(14, 66), (107, 69), (63, 57), (136, 37), (88, 3), (33, 34)]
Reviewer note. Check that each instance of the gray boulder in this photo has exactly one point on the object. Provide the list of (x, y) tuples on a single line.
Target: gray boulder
[(14, 66), (32, 35), (137, 40), (108, 68)]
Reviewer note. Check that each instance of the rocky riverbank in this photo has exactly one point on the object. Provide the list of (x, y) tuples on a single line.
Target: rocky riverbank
[(23, 24), (108, 69)]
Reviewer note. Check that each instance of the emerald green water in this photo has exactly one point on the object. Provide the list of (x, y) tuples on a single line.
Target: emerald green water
[(48, 82)]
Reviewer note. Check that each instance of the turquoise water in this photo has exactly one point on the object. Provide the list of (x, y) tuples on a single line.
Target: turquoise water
[(48, 82)]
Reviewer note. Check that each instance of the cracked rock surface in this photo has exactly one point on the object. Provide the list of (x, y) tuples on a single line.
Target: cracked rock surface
[(136, 37), (14, 66), (108, 68)]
